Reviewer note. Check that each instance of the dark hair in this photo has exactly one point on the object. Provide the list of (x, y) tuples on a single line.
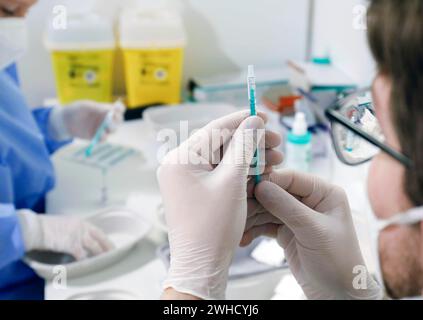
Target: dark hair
[(395, 33)]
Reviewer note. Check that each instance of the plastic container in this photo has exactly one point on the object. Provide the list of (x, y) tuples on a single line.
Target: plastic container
[(298, 146), (83, 57), (152, 42)]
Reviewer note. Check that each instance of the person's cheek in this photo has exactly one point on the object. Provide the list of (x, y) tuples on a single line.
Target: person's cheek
[(383, 188), (386, 187), (374, 183)]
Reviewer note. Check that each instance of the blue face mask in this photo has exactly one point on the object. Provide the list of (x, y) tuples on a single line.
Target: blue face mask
[(411, 217), (13, 40)]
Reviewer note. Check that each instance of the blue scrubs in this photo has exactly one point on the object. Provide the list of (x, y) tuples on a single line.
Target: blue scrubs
[(26, 176)]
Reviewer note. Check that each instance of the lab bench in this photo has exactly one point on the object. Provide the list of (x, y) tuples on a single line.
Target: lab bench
[(141, 273)]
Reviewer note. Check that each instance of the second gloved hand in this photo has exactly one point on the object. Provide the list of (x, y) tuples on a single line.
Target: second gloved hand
[(311, 220), (62, 234), (80, 119)]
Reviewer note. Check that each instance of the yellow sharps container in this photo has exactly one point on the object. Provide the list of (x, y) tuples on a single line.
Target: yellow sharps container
[(152, 42), (83, 58)]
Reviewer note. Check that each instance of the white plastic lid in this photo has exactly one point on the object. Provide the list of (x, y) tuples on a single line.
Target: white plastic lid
[(151, 27), (84, 31), (251, 73), (300, 127)]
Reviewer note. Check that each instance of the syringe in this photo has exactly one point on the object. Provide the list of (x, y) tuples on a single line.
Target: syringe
[(252, 97), (108, 123)]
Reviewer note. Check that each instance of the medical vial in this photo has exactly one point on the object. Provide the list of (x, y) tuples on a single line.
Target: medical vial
[(299, 145)]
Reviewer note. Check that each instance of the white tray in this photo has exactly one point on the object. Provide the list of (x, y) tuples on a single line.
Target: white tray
[(125, 229), (105, 295)]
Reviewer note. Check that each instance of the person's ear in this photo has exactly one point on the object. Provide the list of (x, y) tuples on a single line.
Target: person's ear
[(382, 90)]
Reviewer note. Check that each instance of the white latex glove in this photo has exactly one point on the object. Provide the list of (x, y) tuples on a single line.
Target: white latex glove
[(62, 234), (311, 220), (206, 204), (81, 119)]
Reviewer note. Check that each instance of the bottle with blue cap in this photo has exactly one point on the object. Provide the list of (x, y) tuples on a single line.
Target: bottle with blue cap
[(299, 143)]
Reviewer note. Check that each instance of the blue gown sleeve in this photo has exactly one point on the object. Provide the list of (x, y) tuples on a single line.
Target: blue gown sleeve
[(12, 70), (42, 116), (11, 240)]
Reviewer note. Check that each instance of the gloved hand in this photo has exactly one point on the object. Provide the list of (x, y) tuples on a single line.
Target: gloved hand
[(15, 8), (62, 234), (81, 119), (206, 201), (311, 220)]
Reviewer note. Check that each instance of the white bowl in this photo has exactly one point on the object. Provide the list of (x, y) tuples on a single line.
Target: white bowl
[(197, 116), (124, 228), (258, 287), (106, 295)]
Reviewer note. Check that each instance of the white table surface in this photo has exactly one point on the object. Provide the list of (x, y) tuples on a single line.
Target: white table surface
[(141, 273)]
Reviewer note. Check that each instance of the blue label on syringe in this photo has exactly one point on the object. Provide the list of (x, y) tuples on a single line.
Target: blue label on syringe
[(253, 102)]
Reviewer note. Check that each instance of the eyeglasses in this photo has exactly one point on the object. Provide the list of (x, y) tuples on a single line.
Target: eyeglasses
[(356, 134)]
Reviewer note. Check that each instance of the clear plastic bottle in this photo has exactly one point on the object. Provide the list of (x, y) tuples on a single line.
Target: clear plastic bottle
[(299, 145)]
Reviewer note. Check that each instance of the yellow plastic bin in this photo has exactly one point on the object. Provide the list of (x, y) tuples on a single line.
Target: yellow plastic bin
[(152, 42), (83, 58)]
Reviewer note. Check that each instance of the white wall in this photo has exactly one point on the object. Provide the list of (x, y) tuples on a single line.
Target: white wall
[(338, 30), (224, 35)]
